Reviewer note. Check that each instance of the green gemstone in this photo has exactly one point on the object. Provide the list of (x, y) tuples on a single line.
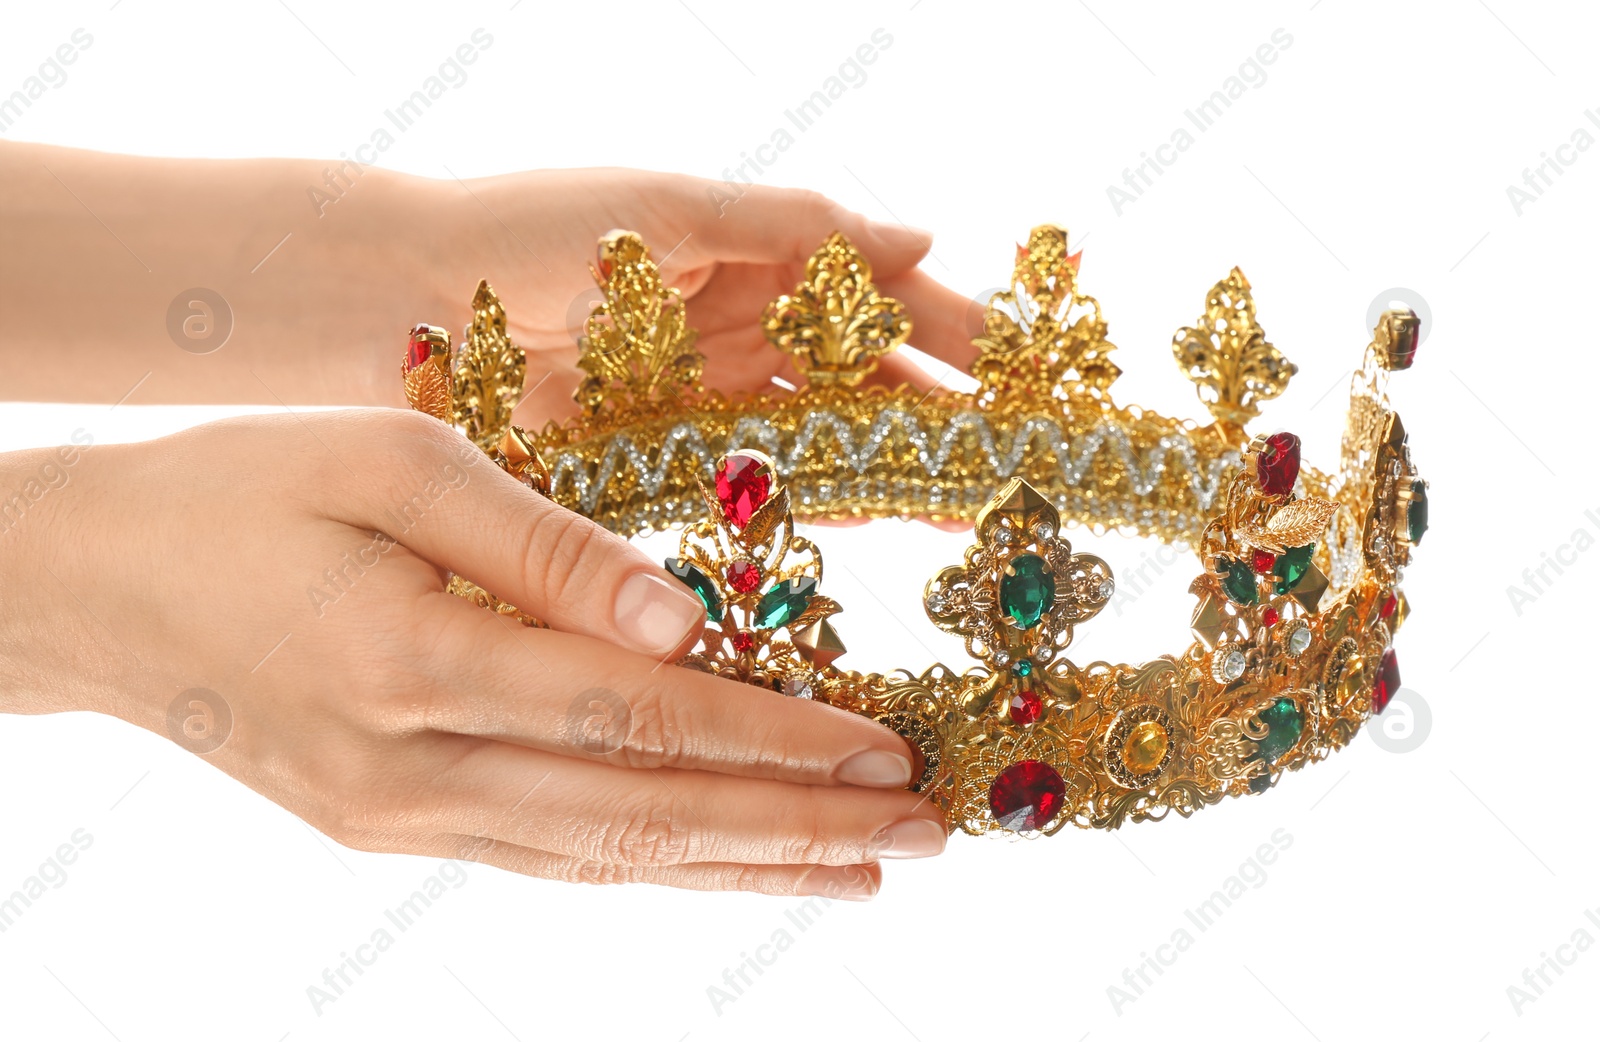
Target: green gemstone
[(1284, 723), (1027, 590), (1291, 566), (700, 583), (1238, 582), (1417, 513), (1022, 668), (784, 602)]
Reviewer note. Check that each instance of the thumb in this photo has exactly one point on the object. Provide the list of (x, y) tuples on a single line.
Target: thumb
[(482, 524), (759, 224)]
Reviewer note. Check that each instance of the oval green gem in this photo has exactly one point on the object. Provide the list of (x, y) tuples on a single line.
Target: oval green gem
[(700, 583), (1291, 566), (784, 602), (1284, 722), (1027, 590), (1417, 513), (1239, 582)]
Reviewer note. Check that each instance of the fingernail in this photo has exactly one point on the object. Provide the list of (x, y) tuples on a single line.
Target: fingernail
[(654, 615), (902, 235), (913, 837), (838, 882), (876, 768)]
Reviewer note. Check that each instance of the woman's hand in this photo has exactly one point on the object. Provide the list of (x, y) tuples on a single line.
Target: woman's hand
[(288, 573), (534, 235), (321, 268)]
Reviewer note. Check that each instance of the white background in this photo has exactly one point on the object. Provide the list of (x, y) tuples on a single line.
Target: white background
[(1419, 885)]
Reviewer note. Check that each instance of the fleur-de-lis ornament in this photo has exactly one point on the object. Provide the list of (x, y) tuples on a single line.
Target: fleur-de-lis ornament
[(1227, 356), (835, 324)]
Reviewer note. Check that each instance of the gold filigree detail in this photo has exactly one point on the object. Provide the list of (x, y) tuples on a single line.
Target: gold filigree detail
[(1227, 356), (835, 324), (1042, 337), (637, 345)]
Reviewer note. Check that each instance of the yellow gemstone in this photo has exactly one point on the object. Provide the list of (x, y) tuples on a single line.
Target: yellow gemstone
[(1146, 747), (1352, 679)]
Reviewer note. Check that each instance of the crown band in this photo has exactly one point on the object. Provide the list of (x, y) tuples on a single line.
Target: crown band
[(1298, 602)]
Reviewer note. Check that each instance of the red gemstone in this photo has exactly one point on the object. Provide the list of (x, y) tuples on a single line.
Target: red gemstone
[(418, 348), (1026, 705), (1278, 464), (743, 641), (1269, 617), (744, 576), (1262, 561), (1388, 681), (1387, 606), (744, 481), (1027, 795)]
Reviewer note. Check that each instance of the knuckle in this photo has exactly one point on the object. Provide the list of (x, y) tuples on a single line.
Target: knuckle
[(647, 836), (807, 839), (558, 549), (600, 873), (656, 738)]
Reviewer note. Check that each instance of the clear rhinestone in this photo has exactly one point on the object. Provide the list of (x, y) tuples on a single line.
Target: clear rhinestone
[(1105, 589), (1228, 664), (1001, 658), (1045, 531), (937, 604), (1299, 639), (1003, 535), (797, 687)]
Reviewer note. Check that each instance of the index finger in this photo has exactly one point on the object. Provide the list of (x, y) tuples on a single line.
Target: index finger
[(575, 695)]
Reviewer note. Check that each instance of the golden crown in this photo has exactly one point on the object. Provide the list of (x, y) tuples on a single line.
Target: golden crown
[(1298, 602)]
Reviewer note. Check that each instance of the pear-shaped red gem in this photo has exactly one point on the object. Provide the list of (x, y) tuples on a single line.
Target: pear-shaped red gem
[(1027, 795), (744, 482), (1278, 464), (1388, 682)]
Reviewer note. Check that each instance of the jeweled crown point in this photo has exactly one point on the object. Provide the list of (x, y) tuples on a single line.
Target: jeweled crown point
[(744, 483)]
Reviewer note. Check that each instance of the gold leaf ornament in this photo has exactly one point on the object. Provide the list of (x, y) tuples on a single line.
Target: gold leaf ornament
[(489, 373), (1293, 524), (637, 340), (835, 324), (1227, 356)]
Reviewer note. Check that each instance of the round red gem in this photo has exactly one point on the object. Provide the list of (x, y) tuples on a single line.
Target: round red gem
[(1262, 561), (1027, 795), (418, 349), (1269, 617), (1278, 464), (744, 576), (1388, 681), (744, 481), (743, 641), (1026, 705), (1387, 606)]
